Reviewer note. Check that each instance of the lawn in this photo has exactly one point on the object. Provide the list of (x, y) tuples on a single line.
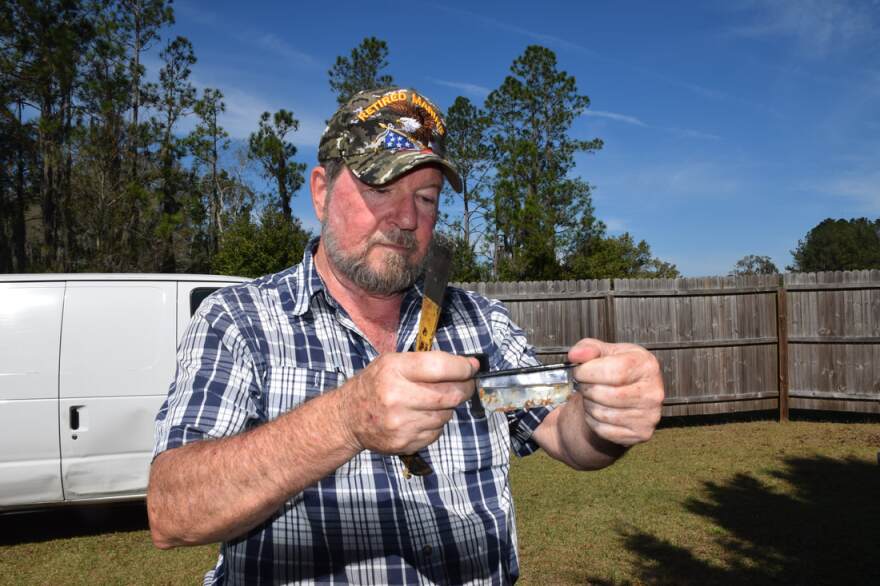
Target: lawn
[(736, 503)]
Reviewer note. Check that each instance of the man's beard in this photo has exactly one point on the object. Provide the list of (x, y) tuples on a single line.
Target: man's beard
[(399, 272)]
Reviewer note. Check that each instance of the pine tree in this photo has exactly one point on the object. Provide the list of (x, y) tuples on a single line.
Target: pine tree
[(48, 40), (18, 147), (537, 204), (176, 97), (206, 142), (270, 147), (467, 146), (616, 257), (349, 76), (139, 23)]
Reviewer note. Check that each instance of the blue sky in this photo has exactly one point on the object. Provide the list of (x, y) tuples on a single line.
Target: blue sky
[(730, 128)]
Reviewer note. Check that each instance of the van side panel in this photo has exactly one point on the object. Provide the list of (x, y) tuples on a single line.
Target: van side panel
[(30, 329), (117, 360)]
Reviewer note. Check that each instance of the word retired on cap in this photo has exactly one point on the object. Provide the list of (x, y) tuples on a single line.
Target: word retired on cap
[(399, 96)]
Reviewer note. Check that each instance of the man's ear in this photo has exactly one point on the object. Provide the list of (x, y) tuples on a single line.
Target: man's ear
[(318, 185)]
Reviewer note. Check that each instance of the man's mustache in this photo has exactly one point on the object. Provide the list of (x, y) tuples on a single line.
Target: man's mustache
[(398, 237)]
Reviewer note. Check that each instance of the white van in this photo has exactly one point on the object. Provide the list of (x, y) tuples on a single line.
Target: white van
[(85, 363)]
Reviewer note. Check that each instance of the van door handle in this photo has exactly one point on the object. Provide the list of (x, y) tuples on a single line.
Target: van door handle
[(74, 417)]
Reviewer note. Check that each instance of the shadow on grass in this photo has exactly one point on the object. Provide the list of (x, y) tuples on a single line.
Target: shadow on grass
[(749, 416), (73, 521), (717, 419), (825, 531)]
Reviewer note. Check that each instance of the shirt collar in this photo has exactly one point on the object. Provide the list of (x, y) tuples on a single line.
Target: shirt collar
[(310, 281)]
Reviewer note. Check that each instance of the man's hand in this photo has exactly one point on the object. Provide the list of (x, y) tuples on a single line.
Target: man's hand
[(621, 390), (401, 401)]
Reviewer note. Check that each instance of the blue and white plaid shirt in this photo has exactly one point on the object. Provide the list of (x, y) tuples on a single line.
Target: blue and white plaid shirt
[(255, 351)]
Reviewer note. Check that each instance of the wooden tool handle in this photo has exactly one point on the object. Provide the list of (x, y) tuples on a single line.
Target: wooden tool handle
[(428, 320), (430, 316), (437, 270)]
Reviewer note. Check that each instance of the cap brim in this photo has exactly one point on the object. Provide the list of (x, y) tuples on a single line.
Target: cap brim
[(379, 168)]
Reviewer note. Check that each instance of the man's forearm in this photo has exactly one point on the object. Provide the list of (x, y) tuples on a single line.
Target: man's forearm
[(565, 435), (216, 490)]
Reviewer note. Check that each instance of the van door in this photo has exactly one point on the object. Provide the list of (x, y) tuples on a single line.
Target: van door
[(30, 329), (117, 360)]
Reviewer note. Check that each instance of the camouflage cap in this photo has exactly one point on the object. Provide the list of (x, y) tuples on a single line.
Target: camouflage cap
[(383, 133)]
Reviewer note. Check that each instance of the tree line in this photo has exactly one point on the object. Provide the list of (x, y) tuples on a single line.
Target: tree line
[(831, 245), (96, 173)]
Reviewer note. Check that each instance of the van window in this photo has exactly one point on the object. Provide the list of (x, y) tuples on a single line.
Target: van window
[(197, 295)]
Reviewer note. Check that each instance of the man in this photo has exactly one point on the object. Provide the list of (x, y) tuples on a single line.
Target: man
[(295, 392)]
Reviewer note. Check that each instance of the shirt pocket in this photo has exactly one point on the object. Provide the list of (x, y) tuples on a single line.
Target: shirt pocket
[(289, 386), (470, 444)]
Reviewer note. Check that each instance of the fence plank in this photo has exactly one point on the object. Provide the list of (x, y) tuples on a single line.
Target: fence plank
[(782, 351)]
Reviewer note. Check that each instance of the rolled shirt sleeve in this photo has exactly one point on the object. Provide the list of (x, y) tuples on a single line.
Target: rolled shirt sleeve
[(514, 351), (216, 390)]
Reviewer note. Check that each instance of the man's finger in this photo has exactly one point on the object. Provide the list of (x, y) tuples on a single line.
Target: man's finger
[(590, 348), (436, 366), (586, 350), (444, 396), (625, 397), (617, 369), (612, 433)]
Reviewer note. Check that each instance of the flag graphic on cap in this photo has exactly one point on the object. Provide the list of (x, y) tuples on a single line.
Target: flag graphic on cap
[(394, 141)]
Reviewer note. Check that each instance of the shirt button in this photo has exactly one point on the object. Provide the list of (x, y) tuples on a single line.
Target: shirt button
[(427, 550)]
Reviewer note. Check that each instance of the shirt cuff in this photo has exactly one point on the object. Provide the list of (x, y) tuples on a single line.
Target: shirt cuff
[(522, 425)]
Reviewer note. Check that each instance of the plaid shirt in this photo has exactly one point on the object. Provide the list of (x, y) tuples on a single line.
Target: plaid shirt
[(256, 350)]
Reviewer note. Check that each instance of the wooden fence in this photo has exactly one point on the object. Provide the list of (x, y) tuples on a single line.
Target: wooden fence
[(725, 344)]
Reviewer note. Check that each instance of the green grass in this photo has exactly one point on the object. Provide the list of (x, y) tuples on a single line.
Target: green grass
[(738, 503)]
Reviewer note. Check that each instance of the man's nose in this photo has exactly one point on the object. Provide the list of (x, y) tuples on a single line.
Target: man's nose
[(405, 215)]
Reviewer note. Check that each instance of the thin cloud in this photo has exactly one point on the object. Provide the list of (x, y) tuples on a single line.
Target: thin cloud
[(243, 111), (819, 27), (559, 42), (243, 107), (689, 133), (684, 181), (707, 180), (632, 120), (265, 41), (616, 117), (273, 44), (706, 92), (467, 88), (200, 15), (862, 188), (534, 35), (615, 225)]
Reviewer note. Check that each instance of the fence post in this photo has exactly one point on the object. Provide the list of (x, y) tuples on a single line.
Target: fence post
[(782, 349), (610, 326)]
